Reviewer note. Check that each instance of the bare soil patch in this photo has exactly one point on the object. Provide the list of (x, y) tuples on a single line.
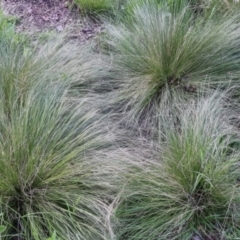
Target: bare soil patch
[(41, 15)]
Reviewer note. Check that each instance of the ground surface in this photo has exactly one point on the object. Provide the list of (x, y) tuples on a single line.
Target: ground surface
[(51, 15)]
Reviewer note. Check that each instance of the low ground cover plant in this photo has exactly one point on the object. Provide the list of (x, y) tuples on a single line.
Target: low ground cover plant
[(189, 186), (93, 5), (7, 28), (98, 6)]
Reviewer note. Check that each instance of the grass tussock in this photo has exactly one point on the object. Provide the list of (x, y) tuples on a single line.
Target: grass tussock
[(155, 49), (188, 186), (50, 179)]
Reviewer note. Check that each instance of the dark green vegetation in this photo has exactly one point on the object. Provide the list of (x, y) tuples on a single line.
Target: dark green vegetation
[(133, 136), (189, 184), (160, 49), (51, 143), (94, 6)]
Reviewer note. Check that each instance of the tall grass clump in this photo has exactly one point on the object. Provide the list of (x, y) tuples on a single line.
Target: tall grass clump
[(52, 177), (155, 49), (52, 182), (7, 29), (186, 186)]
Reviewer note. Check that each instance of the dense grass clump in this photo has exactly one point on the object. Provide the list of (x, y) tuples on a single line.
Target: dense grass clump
[(51, 179), (51, 182), (188, 186), (155, 49)]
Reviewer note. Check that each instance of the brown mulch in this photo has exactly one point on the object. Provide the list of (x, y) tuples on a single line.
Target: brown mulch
[(40, 15)]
